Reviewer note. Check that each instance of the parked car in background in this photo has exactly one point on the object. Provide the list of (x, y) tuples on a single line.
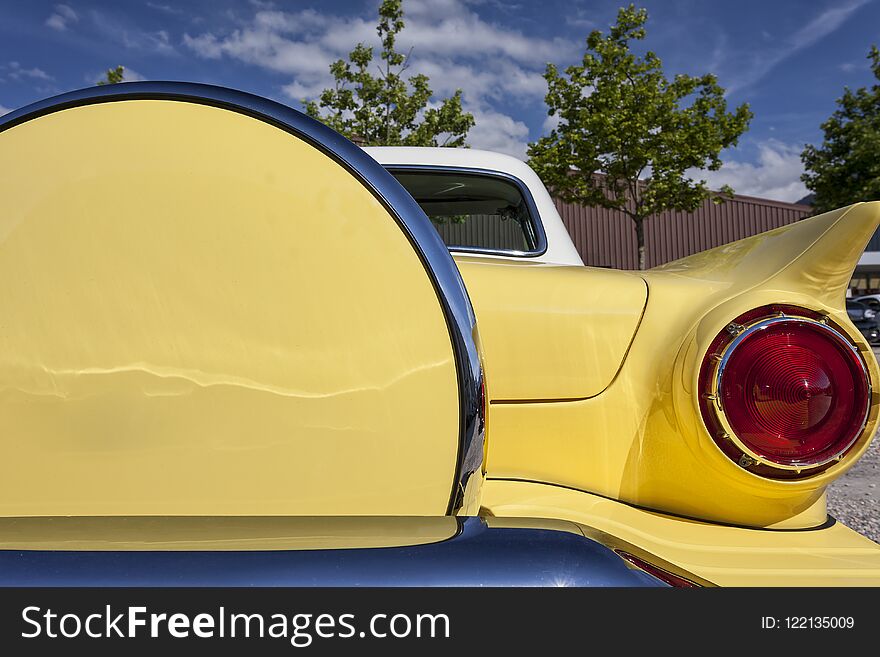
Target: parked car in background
[(865, 319), (870, 300)]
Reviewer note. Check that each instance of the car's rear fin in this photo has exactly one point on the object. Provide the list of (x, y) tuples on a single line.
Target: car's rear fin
[(815, 256)]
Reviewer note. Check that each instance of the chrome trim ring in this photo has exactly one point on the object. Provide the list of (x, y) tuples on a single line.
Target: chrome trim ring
[(536, 223), (441, 269), (718, 405)]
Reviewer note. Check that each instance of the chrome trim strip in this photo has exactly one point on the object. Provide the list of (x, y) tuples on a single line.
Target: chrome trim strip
[(759, 326), (478, 555), (412, 220), (535, 217)]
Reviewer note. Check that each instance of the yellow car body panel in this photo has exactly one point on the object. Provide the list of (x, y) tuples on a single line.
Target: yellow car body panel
[(831, 555), (232, 347), (552, 332), (642, 439)]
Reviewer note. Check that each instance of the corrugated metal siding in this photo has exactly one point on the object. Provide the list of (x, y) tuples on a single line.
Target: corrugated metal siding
[(606, 238)]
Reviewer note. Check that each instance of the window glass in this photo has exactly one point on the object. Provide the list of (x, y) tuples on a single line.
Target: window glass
[(473, 211)]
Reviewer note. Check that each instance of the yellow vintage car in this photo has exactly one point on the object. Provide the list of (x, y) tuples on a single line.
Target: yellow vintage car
[(235, 341)]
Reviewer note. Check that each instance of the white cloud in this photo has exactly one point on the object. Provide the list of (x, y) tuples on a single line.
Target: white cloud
[(158, 41), (167, 9), (863, 64), (581, 19), (267, 49), (114, 30), (499, 80), (300, 91), (495, 131), (15, 71), (131, 36), (133, 76), (551, 123), (62, 18), (456, 30), (204, 45), (775, 174), (763, 62), (494, 66)]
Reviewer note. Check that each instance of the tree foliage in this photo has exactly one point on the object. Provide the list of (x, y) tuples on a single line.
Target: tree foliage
[(846, 167), (112, 76), (387, 109), (627, 136)]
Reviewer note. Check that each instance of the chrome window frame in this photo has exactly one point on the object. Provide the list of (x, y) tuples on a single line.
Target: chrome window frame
[(534, 216), (441, 269)]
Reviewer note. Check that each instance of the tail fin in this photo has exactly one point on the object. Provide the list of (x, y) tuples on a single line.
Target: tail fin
[(815, 256)]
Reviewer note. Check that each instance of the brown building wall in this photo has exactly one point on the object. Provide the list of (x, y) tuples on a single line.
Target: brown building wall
[(606, 238)]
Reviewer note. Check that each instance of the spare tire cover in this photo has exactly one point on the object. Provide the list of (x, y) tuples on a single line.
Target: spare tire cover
[(213, 305)]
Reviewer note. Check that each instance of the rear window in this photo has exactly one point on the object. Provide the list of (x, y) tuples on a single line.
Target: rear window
[(474, 211)]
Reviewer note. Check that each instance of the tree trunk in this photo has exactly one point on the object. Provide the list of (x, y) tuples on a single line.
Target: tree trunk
[(640, 240)]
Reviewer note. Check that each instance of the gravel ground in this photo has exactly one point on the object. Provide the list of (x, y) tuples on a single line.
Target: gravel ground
[(854, 499)]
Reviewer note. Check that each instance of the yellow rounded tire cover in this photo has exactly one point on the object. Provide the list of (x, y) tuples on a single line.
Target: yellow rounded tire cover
[(203, 314)]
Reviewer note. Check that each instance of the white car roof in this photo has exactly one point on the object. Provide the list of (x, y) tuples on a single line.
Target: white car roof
[(560, 248)]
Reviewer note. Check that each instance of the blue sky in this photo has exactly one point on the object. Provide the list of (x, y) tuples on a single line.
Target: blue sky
[(790, 59)]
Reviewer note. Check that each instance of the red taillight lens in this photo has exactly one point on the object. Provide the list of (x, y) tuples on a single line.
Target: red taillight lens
[(793, 392)]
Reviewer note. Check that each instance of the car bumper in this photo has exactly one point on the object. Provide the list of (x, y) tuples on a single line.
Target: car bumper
[(830, 555)]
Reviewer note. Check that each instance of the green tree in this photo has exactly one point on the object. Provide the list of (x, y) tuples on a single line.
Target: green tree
[(627, 136), (386, 109), (112, 76), (846, 167)]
